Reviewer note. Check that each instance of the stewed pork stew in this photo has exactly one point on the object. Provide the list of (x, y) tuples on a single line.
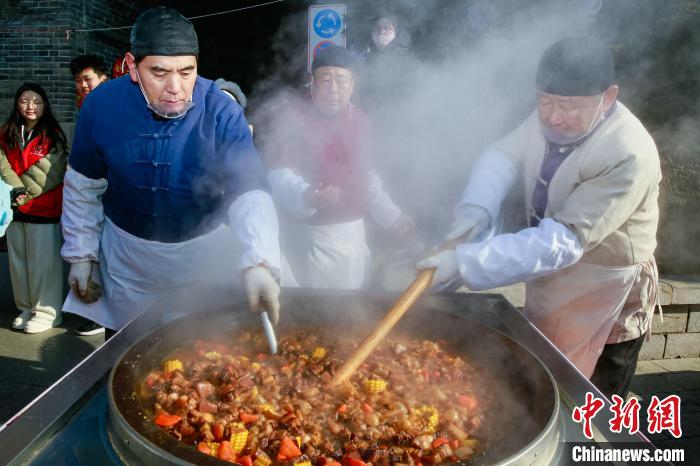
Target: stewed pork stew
[(411, 403)]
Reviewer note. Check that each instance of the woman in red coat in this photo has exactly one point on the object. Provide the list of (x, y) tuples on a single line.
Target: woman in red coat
[(33, 157)]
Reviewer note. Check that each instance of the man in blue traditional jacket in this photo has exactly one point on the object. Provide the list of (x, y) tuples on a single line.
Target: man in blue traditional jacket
[(165, 193)]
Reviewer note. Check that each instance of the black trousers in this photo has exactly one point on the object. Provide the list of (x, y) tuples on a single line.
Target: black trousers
[(616, 366)]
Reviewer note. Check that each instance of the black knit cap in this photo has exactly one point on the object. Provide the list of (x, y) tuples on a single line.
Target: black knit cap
[(163, 31), (576, 66), (334, 55)]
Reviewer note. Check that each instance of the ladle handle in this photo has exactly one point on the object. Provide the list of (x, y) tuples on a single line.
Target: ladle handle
[(405, 301), (269, 332)]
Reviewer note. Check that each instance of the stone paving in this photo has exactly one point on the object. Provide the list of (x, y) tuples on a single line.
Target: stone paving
[(31, 363), (668, 377)]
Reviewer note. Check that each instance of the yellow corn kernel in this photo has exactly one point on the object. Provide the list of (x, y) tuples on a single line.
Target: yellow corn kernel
[(212, 355), (298, 440), (432, 423), (214, 447), (255, 366), (238, 440), (171, 365), (303, 463), (374, 385), (428, 416), (269, 411), (318, 353), (262, 459)]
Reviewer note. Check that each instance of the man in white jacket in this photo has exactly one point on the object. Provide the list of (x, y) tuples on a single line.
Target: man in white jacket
[(591, 174), (167, 198)]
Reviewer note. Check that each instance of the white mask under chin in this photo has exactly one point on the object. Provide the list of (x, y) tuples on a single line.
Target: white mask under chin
[(383, 40), (161, 112)]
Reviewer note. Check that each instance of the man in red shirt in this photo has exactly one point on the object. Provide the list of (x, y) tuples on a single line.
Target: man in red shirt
[(323, 180)]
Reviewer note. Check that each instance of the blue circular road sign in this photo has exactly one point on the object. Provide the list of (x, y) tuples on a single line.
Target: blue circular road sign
[(327, 23)]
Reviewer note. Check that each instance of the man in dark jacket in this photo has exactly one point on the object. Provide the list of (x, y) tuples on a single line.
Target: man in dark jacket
[(388, 65)]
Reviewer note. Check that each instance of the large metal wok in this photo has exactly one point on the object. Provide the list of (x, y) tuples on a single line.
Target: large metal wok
[(526, 435)]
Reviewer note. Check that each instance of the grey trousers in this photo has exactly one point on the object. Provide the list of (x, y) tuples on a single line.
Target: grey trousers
[(36, 267)]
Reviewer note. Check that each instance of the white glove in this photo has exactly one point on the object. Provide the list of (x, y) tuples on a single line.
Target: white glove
[(469, 222), (446, 264), (263, 291), (78, 277)]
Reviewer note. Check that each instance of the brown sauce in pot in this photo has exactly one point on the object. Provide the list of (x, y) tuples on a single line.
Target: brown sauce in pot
[(411, 403)]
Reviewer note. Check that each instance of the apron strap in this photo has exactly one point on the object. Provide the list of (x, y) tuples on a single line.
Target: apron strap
[(654, 292)]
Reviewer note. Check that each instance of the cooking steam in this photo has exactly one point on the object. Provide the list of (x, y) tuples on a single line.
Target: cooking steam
[(469, 80)]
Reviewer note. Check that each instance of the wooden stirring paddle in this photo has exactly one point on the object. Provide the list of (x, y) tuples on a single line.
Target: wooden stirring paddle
[(405, 301)]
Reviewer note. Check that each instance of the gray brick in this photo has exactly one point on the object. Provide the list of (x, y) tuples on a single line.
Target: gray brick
[(682, 345), (694, 319), (654, 348), (674, 291), (675, 320), (665, 293)]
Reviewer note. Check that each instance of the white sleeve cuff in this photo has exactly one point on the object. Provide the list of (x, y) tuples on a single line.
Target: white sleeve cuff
[(82, 217), (379, 205), (512, 258), (253, 220), (490, 180), (288, 189)]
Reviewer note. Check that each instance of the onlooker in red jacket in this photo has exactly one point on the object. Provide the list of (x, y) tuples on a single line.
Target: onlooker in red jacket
[(33, 157)]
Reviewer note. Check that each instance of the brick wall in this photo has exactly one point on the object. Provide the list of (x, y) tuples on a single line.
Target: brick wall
[(678, 336), (34, 46)]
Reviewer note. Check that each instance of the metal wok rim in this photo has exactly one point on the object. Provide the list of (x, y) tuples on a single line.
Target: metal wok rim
[(157, 442)]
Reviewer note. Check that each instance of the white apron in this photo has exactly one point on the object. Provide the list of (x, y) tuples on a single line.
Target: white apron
[(325, 256), (136, 273), (577, 307)]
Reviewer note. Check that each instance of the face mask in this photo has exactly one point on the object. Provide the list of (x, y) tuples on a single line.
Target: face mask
[(563, 139), (162, 113), (382, 39)]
